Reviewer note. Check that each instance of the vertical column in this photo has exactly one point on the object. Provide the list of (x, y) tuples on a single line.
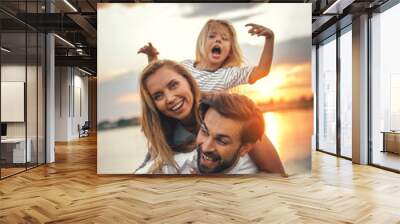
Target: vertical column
[(50, 92), (92, 99), (338, 91), (360, 90)]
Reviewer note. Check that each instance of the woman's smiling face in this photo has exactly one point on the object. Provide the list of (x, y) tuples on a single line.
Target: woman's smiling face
[(171, 93)]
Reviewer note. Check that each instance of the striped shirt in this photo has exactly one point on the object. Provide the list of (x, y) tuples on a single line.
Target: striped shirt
[(222, 79)]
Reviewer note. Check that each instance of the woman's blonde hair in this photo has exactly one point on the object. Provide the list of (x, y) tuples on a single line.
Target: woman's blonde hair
[(234, 59), (156, 126)]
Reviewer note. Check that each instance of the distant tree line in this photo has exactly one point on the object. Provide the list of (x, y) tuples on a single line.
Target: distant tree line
[(123, 122)]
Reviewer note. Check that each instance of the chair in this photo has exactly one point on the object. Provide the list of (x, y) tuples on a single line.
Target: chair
[(84, 130)]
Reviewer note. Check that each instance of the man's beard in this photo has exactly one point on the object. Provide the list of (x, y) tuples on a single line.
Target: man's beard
[(222, 166)]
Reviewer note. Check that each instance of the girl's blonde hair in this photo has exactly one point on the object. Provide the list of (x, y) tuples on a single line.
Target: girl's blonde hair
[(234, 59), (156, 126)]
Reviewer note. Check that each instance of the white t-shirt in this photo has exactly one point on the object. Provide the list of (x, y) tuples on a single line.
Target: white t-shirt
[(188, 161), (222, 79)]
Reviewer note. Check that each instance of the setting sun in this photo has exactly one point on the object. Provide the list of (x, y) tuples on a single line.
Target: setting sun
[(267, 87), (284, 82)]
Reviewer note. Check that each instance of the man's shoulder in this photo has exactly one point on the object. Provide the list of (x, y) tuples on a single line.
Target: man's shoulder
[(184, 161), (182, 157)]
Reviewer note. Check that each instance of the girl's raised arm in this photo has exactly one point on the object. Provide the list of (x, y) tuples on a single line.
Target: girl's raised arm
[(264, 65), (150, 51)]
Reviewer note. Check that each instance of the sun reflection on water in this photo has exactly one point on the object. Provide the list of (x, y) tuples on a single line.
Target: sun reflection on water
[(272, 128), (290, 131)]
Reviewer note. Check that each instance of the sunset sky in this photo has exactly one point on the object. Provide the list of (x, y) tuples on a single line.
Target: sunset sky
[(173, 29)]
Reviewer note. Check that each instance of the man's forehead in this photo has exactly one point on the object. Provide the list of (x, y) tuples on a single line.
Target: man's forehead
[(220, 125)]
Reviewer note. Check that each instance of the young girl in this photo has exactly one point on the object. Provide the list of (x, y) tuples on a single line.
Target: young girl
[(219, 61), (170, 120)]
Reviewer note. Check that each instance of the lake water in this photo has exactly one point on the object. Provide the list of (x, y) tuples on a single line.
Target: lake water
[(121, 151)]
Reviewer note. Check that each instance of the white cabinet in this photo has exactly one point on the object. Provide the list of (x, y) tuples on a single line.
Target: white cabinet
[(18, 149)]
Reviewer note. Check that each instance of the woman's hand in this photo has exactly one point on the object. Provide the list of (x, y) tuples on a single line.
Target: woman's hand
[(260, 30), (150, 51)]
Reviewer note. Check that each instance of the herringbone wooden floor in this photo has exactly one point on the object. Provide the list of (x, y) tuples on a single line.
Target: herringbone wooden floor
[(70, 191)]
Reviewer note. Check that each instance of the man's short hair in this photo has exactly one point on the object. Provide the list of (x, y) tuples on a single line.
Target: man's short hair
[(237, 107)]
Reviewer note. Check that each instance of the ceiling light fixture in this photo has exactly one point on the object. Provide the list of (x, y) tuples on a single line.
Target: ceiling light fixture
[(84, 71), (79, 51), (71, 6), (5, 49), (337, 7), (64, 40)]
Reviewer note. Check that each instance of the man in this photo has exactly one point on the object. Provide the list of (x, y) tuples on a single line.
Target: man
[(230, 126)]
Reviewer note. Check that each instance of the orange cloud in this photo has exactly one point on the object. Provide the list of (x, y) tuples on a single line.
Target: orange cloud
[(285, 81), (111, 75)]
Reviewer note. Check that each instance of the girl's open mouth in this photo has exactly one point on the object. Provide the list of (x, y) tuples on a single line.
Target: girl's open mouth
[(216, 50)]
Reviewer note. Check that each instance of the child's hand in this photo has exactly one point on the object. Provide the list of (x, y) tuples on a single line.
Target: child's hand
[(150, 51), (260, 30)]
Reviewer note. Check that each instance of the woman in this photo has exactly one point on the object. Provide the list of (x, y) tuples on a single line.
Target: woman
[(170, 120)]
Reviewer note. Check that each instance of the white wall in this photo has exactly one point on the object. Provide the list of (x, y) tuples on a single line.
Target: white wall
[(80, 108), (33, 126), (12, 101), (71, 93), (62, 81)]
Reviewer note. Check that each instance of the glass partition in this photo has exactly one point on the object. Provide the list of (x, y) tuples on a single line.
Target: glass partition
[(41, 87), (31, 100), (385, 89), (327, 95), (34, 51), (14, 154), (22, 88), (346, 92)]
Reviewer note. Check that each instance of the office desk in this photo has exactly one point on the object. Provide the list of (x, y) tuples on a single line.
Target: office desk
[(15, 148), (391, 141)]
